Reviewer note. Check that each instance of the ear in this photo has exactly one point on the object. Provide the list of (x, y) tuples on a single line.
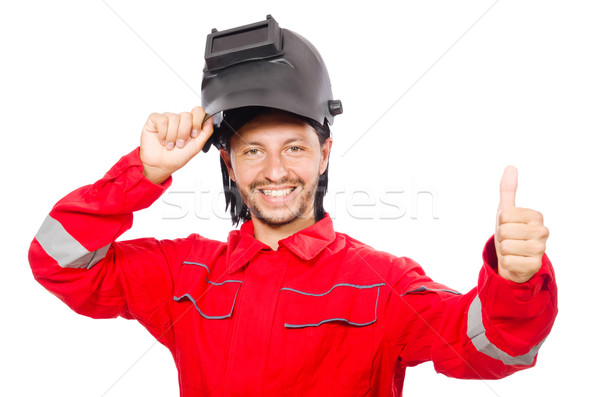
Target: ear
[(325, 151), (227, 159)]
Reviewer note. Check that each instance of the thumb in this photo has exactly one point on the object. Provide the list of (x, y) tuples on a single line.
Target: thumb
[(508, 188), (204, 134)]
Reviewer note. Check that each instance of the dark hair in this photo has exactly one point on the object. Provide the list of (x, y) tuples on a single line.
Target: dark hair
[(233, 120)]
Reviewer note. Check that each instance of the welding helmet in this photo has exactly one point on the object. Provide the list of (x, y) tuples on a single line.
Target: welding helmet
[(261, 64)]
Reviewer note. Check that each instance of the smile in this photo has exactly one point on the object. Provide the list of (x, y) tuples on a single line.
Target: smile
[(278, 192)]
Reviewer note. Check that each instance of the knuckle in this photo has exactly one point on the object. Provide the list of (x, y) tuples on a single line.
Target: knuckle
[(173, 125), (503, 247), (502, 232), (536, 216), (163, 123), (507, 262), (538, 231), (540, 247), (499, 235), (540, 216), (186, 119), (533, 265)]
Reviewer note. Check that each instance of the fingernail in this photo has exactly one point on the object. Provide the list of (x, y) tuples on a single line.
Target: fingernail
[(194, 133), (170, 145), (180, 143), (163, 142)]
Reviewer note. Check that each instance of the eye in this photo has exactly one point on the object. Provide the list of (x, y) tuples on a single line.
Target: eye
[(295, 149), (252, 152)]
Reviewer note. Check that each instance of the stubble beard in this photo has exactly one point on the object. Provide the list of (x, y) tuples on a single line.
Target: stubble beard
[(305, 200)]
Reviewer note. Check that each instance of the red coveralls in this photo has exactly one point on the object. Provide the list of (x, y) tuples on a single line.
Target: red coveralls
[(322, 315)]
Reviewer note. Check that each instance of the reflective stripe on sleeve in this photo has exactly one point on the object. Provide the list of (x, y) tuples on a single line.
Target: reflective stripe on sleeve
[(476, 331), (64, 249)]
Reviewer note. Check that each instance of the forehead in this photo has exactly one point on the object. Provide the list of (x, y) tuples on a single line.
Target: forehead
[(274, 127)]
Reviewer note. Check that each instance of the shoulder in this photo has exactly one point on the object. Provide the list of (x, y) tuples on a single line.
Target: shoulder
[(174, 250)]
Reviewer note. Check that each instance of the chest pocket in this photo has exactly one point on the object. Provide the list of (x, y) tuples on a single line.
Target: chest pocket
[(212, 300), (354, 305), (330, 337)]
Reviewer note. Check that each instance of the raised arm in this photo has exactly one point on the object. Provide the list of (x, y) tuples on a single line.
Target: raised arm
[(499, 326), (74, 254)]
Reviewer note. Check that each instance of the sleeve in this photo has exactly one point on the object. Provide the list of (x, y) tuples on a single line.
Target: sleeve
[(491, 332), (74, 254)]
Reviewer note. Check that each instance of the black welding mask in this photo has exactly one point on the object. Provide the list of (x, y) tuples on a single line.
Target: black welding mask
[(261, 64)]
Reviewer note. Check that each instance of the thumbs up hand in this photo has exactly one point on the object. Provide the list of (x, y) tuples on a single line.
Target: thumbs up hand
[(520, 236)]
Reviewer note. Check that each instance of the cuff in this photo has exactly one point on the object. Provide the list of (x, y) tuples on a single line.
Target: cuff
[(516, 316), (489, 276)]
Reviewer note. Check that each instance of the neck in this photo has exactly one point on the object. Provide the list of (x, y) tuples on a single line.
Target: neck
[(270, 234)]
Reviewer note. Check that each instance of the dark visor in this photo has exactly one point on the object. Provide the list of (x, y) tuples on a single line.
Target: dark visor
[(254, 41)]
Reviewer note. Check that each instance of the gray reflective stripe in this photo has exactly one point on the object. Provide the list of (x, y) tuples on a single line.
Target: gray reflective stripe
[(335, 286), (343, 320), (206, 316), (64, 249), (207, 280), (476, 331)]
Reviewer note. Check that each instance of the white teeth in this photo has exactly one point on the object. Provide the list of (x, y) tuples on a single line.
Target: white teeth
[(278, 193)]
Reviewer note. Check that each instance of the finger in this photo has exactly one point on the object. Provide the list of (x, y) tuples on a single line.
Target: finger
[(196, 144), (185, 128), (152, 123), (172, 130), (508, 188), (206, 131), (521, 231), (522, 247), (198, 115), (162, 124), (520, 215), (158, 123), (520, 264), (207, 128)]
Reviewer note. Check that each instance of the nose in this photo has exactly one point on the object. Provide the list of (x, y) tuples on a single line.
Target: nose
[(274, 168)]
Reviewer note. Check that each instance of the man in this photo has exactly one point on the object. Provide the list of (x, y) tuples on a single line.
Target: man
[(287, 306)]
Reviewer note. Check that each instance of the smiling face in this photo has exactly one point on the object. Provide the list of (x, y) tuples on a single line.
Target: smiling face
[(275, 161)]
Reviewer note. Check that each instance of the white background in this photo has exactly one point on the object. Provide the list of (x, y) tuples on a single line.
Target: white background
[(445, 93)]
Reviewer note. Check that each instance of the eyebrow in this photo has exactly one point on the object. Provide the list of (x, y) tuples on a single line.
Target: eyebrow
[(257, 143)]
